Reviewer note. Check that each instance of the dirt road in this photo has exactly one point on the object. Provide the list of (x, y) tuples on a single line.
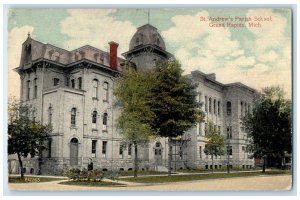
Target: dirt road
[(263, 183)]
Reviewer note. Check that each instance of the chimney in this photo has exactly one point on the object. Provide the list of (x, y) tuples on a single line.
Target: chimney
[(113, 53)]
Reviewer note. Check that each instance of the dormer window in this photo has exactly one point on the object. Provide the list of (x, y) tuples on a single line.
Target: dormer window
[(157, 41), (27, 53), (55, 81), (137, 41)]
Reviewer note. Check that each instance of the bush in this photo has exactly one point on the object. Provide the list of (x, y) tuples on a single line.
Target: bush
[(96, 175), (72, 174), (83, 175)]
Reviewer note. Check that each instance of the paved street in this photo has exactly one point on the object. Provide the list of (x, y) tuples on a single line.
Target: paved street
[(263, 183)]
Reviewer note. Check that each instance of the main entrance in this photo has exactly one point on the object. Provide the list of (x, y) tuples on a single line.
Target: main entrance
[(74, 152)]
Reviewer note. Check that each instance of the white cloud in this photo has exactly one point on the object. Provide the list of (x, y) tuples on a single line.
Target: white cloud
[(96, 27), (200, 47), (270, 56), (15, 39)]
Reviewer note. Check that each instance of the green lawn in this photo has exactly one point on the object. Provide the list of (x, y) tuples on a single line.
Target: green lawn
[(130, 173), (223, 169), (177, 178), (92, 183), (31, 179)]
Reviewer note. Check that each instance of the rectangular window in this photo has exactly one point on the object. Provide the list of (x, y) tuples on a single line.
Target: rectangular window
[(95, 89), (219, 130), (105, 87), (209, 105), (104, 146), (205, 104), (94, 146), (229, 132), (121, 151), (205, 129), (80, 83), (200, 152), (214, 106), (35, 88), (73, 83), (28, 90), (242, 109), (218, 108), (49, 148), (55, 81), (129, 149), (229, 150)]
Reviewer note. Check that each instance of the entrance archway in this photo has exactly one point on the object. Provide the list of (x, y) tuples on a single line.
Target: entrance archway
[(74, 152)]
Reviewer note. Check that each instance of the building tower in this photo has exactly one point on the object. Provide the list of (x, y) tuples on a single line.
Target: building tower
[(146, 48)]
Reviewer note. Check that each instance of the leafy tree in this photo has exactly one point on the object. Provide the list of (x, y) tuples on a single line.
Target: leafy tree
[(173, 103), (25, 136), (269, 125), (215, 143), (133, 97)]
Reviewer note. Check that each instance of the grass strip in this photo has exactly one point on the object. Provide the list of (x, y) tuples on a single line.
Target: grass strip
[(178, 178), (32, 179), (92, 183)]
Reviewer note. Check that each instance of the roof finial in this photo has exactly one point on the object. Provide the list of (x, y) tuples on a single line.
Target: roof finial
[(28, 34)]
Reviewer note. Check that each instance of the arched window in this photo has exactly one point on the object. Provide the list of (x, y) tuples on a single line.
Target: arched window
[(94, 119), (104, 122), (95, 88), (219, 108), (209, 105), (105, 87), (80, 83), (73, 116), (228, 108), (55, 81), (242, 108), (214, 106), (73, 83), (28, 90), (35, 88), (205, 104)]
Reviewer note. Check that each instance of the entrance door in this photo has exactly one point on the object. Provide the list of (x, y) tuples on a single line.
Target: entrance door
[(74, 152), (158, 153)]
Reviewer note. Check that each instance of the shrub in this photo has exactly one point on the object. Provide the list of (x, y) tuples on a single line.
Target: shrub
[(96, 175), (73, 174), (84, 174)]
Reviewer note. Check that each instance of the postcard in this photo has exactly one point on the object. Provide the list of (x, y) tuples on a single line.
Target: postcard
[(150, 99)]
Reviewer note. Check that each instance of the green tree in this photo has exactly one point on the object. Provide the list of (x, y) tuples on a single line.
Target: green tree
[(269, 125), (133, 98), (25, 136), (215, 143), (173, 102)]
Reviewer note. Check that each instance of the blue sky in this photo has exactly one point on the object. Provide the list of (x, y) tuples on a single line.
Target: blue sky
[(258, 57)]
